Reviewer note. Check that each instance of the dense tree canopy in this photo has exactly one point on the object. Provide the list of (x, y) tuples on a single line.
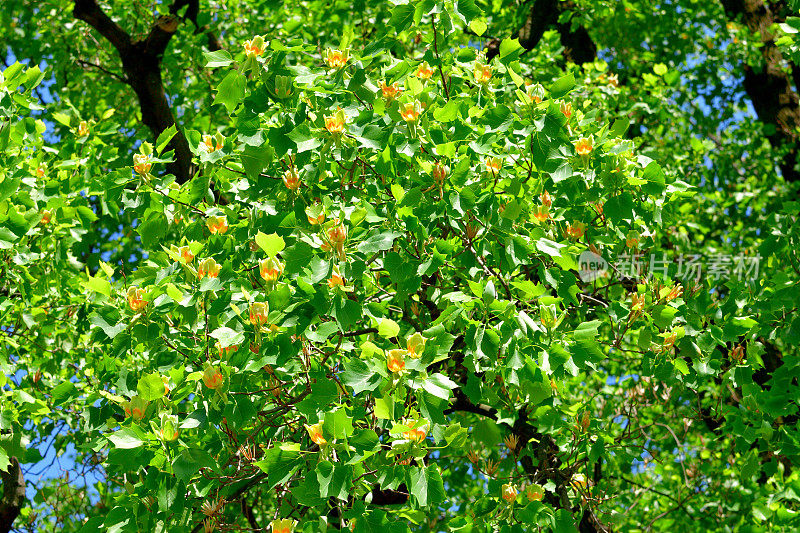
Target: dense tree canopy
[(459, 265)]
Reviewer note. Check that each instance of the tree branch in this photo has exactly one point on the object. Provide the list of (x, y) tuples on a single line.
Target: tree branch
[(13, 496)]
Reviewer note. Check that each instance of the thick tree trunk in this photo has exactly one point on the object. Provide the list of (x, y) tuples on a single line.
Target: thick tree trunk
[(544, 14), (769, 85), (141, 62), (13, 496)]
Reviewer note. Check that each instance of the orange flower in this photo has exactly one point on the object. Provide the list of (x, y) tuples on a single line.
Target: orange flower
[(136, 299), (534, 493), (336, 59), (315, 432), (482, 73), (576, 230), (218, 224), (584, 146), (83, 129), (546, 200), (258, 313), (541, 213), (227, 350), (135, 408), (212, 378), (40, 171), (335, 280), (212, 144), (283, 525), (509, 492), (254, 47), (208, 267), (335, 123), (424, 71), (675, 293), (632, 239), (47, 216), (390, 92), (291, 179), (566, 109), (535, 93), (411, 111), (184, 252), (613, 80), (416, 434), (338, 233), (493, 165), (395, 361), (415, 345), (439, 173), (270, 269), (142, 164), (315, 221)]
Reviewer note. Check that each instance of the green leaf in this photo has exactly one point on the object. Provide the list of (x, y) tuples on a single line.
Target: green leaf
[(334, 479), (165, 137), (510, 49), (151, 387), (338, 424), (231, 91), (402, 17), (218, 58), (99, 285), (388, 328), (358, 376), (379, 242), (426, 485), (478, 26), (126, 438), (562, 86), (190, 462), (272, 244)]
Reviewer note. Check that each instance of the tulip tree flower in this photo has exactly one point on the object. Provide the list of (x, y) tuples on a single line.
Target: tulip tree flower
[(509, 492), (136, 299), (283, 525), (315, 433), (217, 224), (208, 268)]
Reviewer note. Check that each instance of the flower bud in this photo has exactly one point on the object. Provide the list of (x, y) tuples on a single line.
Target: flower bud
[(509, 492)]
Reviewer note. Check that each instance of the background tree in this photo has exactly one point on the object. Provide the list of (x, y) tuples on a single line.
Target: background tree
[(317, 265)]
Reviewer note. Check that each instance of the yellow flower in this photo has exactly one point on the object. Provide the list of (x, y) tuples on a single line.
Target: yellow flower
[(315, 432), (439, 173), (395, 361), (541, 213), (534, 493), (135, 408), (217, 224), (493, 165), (83, 129), (40, 171), (47, 216), (576, 230), (418, 433), (424, 71), (270, 269), (335, 123), (632, 239), (186, 254), (584, 146), (390, 92), (136, 299), (291, 179), (258, 313), (338, 233), (283, 525), (208, 268), (411, 111), (546, 200), (142, 164), (336, 279), (579, 481), (509, 492), (254, 47), (336, 59), (415, 345), (482, 73), (566, 109), (212, 144), (535, 93), (169, 428), (212, 378)]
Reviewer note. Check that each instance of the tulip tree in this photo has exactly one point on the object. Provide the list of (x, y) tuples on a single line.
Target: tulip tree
[(310, 267)]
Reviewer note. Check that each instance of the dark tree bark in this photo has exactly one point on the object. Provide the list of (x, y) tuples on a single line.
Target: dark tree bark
[(544, 14), (13, 496), (141, 62), (769, 85)]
